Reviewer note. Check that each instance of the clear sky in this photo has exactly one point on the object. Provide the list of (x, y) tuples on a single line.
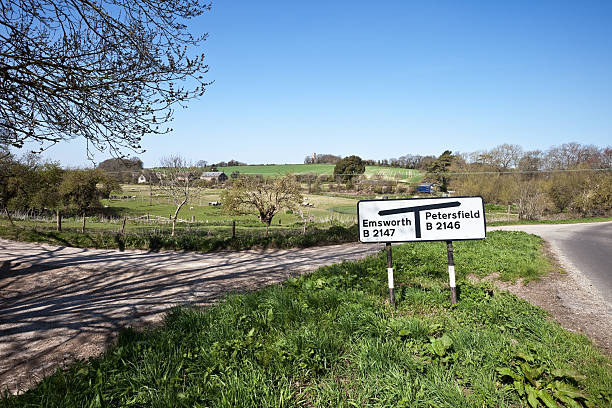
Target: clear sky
[(387, 78)]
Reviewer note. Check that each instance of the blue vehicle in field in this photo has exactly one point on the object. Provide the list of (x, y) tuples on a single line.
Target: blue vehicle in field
[(425, 188)]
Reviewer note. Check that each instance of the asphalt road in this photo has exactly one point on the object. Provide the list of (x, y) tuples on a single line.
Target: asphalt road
[(586, 248)]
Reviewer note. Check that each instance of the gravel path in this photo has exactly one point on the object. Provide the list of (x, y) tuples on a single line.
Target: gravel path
[(62, 303)]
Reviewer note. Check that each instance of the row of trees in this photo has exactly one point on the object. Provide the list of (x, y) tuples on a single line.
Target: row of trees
[(26, 184), (586, 193), (502, 157), (513, 157), (318, 158), (568, 178)]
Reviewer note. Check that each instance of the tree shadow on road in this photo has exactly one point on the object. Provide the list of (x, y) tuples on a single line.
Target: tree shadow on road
[(59, 304)]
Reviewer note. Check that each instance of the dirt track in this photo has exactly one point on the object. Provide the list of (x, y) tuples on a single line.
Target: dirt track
[(61, 303)]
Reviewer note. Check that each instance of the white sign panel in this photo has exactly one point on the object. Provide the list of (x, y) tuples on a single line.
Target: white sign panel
[(421, 219)]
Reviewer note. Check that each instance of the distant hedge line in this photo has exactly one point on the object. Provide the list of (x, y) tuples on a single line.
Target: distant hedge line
[(186, 241)]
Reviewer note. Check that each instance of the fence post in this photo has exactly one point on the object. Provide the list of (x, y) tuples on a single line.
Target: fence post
[(123, 225), (233, 229)]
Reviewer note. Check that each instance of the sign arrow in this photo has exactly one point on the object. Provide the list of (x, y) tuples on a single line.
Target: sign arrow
[(416, 209)]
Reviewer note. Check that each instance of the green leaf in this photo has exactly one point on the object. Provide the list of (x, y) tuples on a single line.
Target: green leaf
[(83, 371), (570, 402), (531, 373), (447, 342), (507, 372), (438, 347), (568, 390), (569, 374), (525, 357), (547, 399), (519, 386), (532, 396)]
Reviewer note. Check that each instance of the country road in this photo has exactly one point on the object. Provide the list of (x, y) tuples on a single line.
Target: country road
[(583, 248), (62, 303)]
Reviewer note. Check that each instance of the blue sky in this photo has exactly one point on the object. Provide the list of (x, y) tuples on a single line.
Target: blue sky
[(383, 79)]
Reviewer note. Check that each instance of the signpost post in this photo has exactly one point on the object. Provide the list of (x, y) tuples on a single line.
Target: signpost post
[(414, 220)]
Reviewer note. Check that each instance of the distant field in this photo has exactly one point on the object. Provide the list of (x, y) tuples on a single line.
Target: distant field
[(273, 170), (408, 175), (199, 209)]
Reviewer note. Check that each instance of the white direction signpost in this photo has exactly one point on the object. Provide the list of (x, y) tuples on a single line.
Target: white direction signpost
[(422, 219)]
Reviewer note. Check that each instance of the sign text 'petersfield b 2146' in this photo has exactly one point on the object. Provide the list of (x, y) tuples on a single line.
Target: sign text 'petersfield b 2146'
[(426, 219)]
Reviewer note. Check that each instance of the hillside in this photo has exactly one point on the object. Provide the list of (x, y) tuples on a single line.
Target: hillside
[(272, 170)]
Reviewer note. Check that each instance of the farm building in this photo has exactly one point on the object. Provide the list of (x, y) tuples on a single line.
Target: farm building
[(217, 176)]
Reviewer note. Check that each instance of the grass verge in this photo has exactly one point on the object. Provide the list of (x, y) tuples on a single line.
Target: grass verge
[(567, 221), (331, 339)]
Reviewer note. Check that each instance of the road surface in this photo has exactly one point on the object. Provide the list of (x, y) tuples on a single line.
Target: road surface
[(585, 248)]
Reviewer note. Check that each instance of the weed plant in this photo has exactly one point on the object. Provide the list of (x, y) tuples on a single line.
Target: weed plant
[(331, 339)]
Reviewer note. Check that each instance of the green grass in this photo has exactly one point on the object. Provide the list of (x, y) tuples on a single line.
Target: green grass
[(198, 207), (406, 175), (566, 221), (345, 209), (331, 339), (275, 170)]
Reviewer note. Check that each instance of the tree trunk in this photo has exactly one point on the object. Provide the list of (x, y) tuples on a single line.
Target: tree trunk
[(176, 215), (83, 226), (58, 219), (9, 216)]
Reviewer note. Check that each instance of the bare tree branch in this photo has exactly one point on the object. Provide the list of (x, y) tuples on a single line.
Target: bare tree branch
[(106, 71)]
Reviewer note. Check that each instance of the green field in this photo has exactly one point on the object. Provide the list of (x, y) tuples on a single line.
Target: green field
[(274, 170), (198, 207), (331, 339)]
